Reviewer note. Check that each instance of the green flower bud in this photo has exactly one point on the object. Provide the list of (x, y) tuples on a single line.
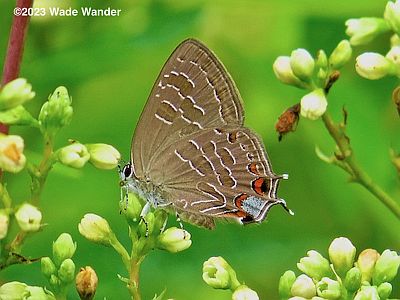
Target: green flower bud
[(103, 156), (328, 288), (304, 287), (74, 155), (315, 265), (17, 116), (160, 219), (15, 93), (341, 55), (13, 290), (95, 229), (395, 40), (302, 64), (384, 290), (54, 280), (131, 208), (12, 158), (364, 30), (285, 284), (313, 105), (174, 240), (56, 112), (284, 72), (352, 281), (147, 227), (342, 253), (4, 221), (392, 15), (367, 293), (63, 248), (28, 217), (386, 267), (322, 60), (47, 266), (374, 66), (244, 293), (366, 263), (86, 283), (218, 274), (38, 293), (66, 272)]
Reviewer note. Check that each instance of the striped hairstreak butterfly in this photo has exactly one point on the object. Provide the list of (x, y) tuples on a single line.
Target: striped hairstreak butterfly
[(191, 153)]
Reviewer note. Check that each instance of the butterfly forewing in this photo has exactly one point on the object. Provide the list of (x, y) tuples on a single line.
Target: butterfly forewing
[(192, 92)]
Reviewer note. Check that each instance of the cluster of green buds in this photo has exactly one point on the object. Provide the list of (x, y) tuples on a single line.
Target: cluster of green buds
[(218, 274), (341, 277), (146, 232), (316, 75), (60, 270), (373, 65), (20, 291)]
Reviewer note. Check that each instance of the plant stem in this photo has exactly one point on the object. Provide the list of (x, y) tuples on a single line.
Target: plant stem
[(15, 48), (134, 279), (357, 173)]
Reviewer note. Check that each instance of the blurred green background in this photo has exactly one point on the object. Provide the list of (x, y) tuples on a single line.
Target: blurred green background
[(109, 66)]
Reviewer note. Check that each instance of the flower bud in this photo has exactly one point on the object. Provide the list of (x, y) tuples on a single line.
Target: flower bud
[(392, 15), (321, 61), (394, 55), (63, 248), (374, 66), (218, 274), (95, 229), (74, 155), (384, 290), (341, 55), (54, 280), (56, 112), (244, 293), (103, 156), (303, 286), (86, 283), (313, 105), (395, 40), (284, 72), (366, 263), (48, 267), (302, 64), (328, 288), (386, 267), (147, 227), (174, 240), (315, 265), (131, 207), (367, 293), (15, 93), (12, 158), (352, 281), (66, 272), (13, 290), (285, 284), (28, 217), (364, 30), (17, 116), (4, 221), (341, 254)]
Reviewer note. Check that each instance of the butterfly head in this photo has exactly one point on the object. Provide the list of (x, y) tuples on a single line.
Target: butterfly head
[(126, 171)]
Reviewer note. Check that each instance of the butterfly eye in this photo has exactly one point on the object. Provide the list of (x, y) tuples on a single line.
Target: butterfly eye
[(127, 170)]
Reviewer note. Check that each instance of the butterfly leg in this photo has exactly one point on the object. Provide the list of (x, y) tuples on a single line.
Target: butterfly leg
[(178, 219), (145, 211)]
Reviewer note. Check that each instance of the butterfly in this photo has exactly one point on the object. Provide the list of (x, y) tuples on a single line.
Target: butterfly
[(191, 153)]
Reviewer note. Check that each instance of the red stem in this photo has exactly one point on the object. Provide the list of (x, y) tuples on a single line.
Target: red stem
[(12, 62)]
